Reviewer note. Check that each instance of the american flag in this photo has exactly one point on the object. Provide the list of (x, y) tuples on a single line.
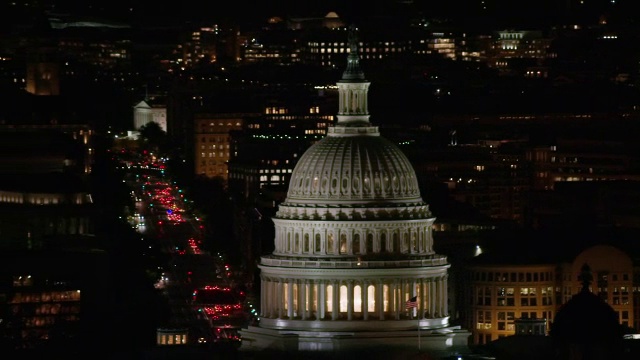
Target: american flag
[(412, 303)]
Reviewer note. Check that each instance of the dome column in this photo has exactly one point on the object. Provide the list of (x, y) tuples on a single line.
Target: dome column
[(365, 300), (272, 302), (350, 300), (302, 302), (440, 297), (423, 297), (445, 305), (267, 291), (263, 297), (280, 298), (414, 292), (395, 291), (432, 298), (335, 309), (290, 298), (380, 299), (321, 300)]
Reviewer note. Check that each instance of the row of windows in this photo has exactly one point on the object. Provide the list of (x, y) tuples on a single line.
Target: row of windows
[(48, 309), (228, 124), (170, 339), (213, 147), (50, 200), (506, 296), (42, 321), (264, 178), (68, 295), (213, 169), (384, 244), (512, 276), (213, 154), (505, 320), (204, 163), (215, 139), (275, 171)]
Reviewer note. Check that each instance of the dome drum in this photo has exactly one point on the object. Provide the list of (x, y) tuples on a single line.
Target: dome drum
[(352, 238)]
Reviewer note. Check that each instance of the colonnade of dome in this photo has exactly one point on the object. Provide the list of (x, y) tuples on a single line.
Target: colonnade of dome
[(352, 238), (331, 301)]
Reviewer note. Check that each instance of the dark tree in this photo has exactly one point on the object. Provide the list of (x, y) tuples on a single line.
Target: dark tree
[(153, 137)]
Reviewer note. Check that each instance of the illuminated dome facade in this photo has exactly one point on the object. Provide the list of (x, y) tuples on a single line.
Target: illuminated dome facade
[(353, 243)]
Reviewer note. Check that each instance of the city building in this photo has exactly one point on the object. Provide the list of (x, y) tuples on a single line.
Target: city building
[(585, 327), (144, 113), (53, 299), (212, 141), (503, 291), (353, 265)]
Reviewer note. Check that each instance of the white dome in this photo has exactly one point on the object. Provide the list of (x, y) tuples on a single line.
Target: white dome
[(360, 168), (353, 240)]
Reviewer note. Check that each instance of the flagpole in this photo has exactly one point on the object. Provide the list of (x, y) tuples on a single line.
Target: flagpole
[(413, 305)]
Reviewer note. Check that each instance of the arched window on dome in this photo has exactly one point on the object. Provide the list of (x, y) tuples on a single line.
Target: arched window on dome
[(357, 299), (285, 296), (371, 299), (288, 242), (343, 243), (405, 242), (296, 244), (369, 245), (306, 243), (356, 243), (329, 298), (396, 242), (383, 242), (318, 244), (343, 298), (414, 242), (385, 297), (294, 293), (330, 244)]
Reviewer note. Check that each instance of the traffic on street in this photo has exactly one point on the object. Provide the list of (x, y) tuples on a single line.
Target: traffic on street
[(199, 286)]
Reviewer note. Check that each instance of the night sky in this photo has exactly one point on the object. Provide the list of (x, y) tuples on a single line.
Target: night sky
[(251, 11)]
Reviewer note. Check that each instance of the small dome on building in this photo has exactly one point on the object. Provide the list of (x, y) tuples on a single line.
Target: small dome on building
[(586, 326)]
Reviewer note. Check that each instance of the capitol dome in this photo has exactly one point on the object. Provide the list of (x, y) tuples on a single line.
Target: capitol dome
[(353, 260)]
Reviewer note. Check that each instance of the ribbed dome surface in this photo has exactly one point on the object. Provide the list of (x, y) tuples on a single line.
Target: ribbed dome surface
[(353, 168)]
